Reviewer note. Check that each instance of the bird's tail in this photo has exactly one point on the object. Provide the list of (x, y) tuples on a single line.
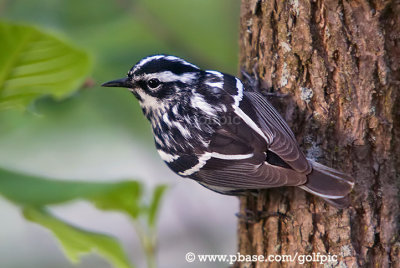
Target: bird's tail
[(330, 184)]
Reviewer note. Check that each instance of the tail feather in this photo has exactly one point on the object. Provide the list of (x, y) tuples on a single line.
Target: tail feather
[(330, 184)]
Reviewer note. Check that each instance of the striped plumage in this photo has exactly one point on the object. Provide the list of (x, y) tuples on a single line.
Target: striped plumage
[(209, 127)]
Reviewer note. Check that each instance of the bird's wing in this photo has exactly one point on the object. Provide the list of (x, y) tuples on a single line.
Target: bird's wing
[(245, 174), (236, 159), (231, 162), (277, 133)]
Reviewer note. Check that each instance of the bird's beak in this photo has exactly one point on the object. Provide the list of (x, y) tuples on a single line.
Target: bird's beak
[(123, 82)]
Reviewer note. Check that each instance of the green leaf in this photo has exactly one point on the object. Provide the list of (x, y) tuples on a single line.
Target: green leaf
[(34, 63), (155, 204), (76, 241), (28, 190)]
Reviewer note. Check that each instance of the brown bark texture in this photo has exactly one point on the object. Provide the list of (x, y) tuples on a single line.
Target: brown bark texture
[(339, 64)]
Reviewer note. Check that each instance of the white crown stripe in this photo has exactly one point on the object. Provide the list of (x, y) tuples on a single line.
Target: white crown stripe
[(176, 59), (144, 61), (157, 57)]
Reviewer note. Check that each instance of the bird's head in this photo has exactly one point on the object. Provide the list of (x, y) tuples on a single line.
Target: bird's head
[(159, 81)]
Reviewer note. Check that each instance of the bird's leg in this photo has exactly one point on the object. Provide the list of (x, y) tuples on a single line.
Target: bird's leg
[(248, 216), (252, 217), (253, 82), (251, 213)]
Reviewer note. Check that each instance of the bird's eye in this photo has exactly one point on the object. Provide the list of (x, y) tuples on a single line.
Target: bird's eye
[(153, 83)]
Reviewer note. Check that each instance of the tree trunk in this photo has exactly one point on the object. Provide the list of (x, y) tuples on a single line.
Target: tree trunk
[(339, 63)]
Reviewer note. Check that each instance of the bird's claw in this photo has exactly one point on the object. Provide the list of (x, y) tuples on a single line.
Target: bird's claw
[(252, 217), (252, 80)]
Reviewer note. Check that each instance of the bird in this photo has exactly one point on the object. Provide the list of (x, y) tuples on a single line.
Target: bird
[(211, 127)]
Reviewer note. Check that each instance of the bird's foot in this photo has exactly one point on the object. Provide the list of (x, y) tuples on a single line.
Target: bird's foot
[(252, 217), (252, 80)]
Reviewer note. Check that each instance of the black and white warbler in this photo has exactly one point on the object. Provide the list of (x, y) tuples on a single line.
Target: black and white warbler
[(209, 127)]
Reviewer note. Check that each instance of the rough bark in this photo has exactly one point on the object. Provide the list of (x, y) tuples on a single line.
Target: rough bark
[(339, 63)]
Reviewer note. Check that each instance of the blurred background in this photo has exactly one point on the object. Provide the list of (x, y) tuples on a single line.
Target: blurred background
[(100, 134)]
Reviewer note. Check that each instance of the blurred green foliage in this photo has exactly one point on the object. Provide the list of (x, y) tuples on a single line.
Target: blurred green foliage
[(76, 241), (33, 64), (155, 205), (116, 34), (37, 192), (34, 194)]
